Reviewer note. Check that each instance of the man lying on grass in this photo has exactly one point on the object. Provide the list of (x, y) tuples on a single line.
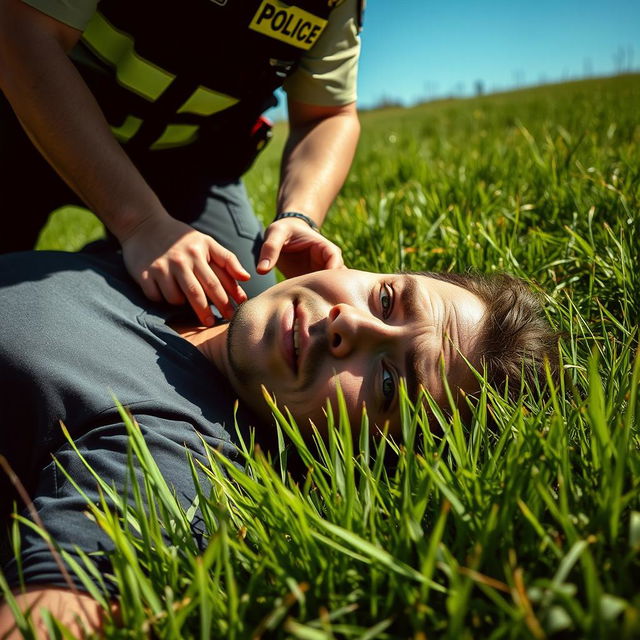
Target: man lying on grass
[(76, 332)]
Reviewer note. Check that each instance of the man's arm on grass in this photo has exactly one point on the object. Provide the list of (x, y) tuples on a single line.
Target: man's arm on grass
[(317, 157), (79, 612), (166, 257)]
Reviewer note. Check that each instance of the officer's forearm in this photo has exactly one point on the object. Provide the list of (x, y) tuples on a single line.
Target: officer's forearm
[(316, 161), (64, 121)]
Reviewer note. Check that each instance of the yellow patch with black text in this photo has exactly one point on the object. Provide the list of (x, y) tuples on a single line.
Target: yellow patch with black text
[(288, 23)]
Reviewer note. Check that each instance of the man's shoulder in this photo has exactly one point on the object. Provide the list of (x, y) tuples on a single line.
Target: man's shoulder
[(28, 266), (63, 295)]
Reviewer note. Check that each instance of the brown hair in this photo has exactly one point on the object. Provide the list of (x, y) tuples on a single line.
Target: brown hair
[(516, 339)]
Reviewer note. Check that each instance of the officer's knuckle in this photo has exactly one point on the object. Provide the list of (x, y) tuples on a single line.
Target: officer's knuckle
[(193, 251), (192, 289), (212, 284), (156, 269), (181, 262)]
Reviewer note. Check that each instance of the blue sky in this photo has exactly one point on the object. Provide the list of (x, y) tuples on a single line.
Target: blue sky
[(414, 49), (421, 49)]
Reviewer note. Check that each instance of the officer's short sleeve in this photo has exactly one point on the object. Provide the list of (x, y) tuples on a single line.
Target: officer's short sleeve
[(327, 73), (75, 13)]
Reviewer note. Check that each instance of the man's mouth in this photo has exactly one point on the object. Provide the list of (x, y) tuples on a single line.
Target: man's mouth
[(295, 336), (290, 341), (296, 340)]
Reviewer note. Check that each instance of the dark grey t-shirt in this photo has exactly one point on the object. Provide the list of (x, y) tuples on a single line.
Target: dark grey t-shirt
[(75, 333)]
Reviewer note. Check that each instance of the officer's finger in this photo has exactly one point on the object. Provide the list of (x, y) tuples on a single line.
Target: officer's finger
[(227, 260), (149, 287), (166, 283), (161, 273), (219, 287), (271, 248), (196, 296), (332, 257), (232, 288), (325, 256), (213, 281)]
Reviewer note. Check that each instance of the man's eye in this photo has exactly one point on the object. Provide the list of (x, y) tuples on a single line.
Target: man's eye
[(386, 300), (388, 388)]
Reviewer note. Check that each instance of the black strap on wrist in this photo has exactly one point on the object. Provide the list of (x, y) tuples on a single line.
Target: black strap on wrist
[(297, 214)]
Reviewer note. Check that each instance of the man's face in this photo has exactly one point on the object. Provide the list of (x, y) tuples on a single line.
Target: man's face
[(363, 331)]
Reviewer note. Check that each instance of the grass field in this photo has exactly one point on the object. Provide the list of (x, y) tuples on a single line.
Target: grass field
[(530, 529)]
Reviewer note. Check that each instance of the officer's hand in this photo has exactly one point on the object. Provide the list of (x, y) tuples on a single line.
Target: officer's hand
[(171, 260), (297, 249)]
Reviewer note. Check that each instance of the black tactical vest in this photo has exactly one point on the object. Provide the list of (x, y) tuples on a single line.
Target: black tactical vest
[(170, 74)]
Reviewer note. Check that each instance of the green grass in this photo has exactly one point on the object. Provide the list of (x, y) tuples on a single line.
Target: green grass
[(528, 529)]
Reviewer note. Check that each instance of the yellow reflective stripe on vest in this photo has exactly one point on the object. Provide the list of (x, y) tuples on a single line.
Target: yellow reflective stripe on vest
[(176, 135), (127, 129), (290, 24), (206, 102), (117, 48)]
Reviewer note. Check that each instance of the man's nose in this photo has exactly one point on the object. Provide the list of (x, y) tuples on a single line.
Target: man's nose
[(349, 328)]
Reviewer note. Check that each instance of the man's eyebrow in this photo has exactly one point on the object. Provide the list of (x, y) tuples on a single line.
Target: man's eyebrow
[(416, 363), (409, 297), (410, 306)]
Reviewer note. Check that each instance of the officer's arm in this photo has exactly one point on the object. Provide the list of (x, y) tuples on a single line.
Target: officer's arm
[(63, 119), (315, 163), (166, 257), (317, 157)]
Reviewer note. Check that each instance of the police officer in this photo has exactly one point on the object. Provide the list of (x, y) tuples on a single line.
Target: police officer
[(149, 113)]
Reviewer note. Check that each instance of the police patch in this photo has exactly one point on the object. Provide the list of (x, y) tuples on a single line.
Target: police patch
[(289, 24)]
